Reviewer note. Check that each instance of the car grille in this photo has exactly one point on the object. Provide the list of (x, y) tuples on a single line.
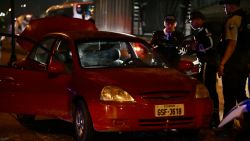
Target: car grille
[(165, 95), (165, 122)]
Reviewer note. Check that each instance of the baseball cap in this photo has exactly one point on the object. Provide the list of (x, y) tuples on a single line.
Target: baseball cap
[(170, 18), (229, 2)]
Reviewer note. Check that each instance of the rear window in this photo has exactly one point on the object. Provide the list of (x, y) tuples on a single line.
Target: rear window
[(68, 12), (80, 11)]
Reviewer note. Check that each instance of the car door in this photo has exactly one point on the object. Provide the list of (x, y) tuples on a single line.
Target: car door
[(31, 88)]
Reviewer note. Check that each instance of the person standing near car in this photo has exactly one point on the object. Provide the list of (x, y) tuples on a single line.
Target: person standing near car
[(166, 42), (234, 56), (207, 55)]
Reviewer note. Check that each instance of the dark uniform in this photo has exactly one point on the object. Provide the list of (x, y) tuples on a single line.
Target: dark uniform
[(235, 69), (167, 46), (208, 57)]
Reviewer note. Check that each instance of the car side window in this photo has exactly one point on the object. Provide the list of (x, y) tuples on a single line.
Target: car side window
[(63, 54), (41, 52), (100, 54)]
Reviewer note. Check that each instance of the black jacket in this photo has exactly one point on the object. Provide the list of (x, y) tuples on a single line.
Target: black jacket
[(205, 49), (167, 47)]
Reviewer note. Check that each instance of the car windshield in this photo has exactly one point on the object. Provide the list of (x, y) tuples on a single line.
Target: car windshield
[(102, 53)]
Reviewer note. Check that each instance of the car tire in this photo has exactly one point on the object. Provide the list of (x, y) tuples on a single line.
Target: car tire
[(25, 119), (82, 122)]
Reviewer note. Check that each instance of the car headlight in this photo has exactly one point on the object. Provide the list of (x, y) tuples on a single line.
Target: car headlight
[(201, 91), (115, 94)]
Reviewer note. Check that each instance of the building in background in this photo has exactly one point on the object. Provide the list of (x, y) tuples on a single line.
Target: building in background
[(139, 17)]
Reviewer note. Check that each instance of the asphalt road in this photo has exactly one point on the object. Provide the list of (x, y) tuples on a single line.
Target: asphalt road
[(44, 129)]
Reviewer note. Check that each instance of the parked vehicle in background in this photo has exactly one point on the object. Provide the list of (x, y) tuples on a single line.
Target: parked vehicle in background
[(115, 16), (21, 22), (80, 10)]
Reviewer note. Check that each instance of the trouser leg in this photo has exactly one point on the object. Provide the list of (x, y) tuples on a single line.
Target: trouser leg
[(233, 91), (210, 82)]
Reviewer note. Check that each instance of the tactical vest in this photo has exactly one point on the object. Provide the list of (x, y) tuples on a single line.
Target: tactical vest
[(239, 59)]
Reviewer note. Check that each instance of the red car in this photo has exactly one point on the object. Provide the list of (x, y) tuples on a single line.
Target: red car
[(102, 81)]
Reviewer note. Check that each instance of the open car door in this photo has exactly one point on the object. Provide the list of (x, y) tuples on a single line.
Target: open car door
[(35, 83)]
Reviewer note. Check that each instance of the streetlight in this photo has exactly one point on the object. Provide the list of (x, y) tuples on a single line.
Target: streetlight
[(23, 5), (2, 14)]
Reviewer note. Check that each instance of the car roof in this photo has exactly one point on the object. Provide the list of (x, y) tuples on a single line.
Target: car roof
[(91, 35), (38, 28)]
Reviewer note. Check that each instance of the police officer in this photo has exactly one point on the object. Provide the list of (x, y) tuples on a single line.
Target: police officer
[(208, 57), (167, 41), (234, 55)]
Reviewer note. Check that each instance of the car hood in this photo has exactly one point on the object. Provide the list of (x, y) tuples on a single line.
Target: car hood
[(142, 79)]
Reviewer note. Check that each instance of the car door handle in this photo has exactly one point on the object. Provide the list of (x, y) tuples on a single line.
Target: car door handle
[(6, 79)]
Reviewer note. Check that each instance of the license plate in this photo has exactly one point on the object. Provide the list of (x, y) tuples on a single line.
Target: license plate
[(169, 110)]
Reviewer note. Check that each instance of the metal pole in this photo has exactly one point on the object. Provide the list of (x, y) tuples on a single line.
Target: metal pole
[(13, 45)]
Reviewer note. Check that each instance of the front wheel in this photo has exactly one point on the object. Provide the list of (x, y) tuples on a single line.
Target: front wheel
[(82, 122)]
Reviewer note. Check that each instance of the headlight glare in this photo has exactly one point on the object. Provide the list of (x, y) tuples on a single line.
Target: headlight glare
[(201, 91), (115, 94)]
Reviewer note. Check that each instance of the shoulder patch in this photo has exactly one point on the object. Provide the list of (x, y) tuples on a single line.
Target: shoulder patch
[(231, 27)]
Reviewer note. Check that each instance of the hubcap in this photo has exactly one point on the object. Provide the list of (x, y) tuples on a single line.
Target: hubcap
[(79, 122)]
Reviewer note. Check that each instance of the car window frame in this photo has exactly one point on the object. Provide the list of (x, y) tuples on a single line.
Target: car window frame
[(53, 56), (39, 45)]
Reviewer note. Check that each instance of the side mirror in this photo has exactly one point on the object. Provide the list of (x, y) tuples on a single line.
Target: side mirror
[(55, 67)]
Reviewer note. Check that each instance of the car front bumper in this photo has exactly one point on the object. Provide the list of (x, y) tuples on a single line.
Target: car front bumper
[(141, 117)]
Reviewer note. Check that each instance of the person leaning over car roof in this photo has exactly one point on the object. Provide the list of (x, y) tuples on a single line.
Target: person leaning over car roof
[(167, 41)]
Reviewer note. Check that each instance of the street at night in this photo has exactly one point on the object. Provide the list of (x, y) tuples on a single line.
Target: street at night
[(124, 70), (56, 130), (45, 129)]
